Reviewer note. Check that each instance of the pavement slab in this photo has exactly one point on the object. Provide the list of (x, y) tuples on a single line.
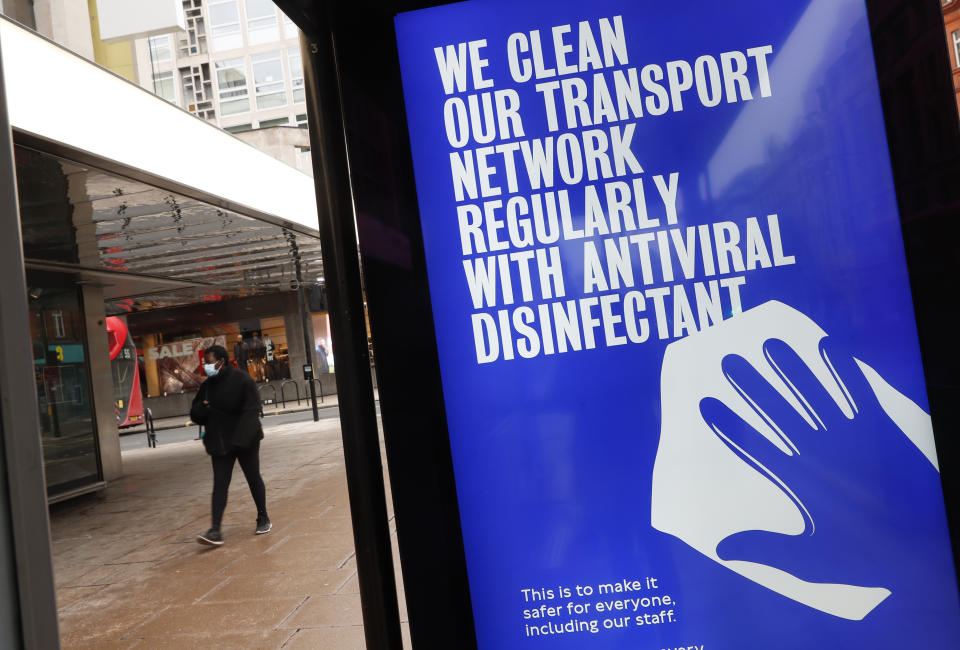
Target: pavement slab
[(130, 574)]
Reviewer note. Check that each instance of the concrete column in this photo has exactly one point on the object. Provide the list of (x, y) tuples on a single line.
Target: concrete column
[(66, 22), (101, 381), (153, 375), (294, 326)]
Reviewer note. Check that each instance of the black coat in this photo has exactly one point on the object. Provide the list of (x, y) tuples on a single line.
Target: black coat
[(232, 420)]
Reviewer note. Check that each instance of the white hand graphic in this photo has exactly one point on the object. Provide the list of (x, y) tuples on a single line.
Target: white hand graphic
[(704, 493)]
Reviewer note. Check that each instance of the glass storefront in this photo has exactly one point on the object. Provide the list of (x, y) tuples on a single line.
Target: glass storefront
[(173, 360), (67, 426), (322, 344)]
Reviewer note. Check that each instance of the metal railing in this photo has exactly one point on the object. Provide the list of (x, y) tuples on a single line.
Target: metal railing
[(283, 388), (273, 401)]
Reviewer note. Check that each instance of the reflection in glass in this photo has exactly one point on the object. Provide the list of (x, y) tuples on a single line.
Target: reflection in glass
[(63, 390)]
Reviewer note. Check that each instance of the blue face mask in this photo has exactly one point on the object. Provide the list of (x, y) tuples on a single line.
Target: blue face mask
[(210, 369)]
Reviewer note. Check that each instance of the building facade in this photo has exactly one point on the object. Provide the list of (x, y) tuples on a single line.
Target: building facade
[(236, 65)]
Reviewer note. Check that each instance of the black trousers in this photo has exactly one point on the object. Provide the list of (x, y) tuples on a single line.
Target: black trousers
[(223, 472)]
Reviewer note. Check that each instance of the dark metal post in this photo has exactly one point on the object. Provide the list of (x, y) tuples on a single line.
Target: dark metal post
[(26, 588), (358, 419), (152, 430)]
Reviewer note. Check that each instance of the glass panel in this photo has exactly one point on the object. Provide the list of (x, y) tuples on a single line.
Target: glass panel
[(268, 79), (225, 25), (227, 38), (260, 9), (223, 13), (262, 25), (235, 106), (296, 74), (232, 85), (272, 100), (279, 121), (66, 411), (814, 114)]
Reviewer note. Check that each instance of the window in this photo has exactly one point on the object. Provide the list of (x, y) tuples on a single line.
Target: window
[(302, 158), (262, 26), (277, 121), (301, 119), (159, 48), (956, 49), (59, 331), (232, 87), (296, 74), (238, 128), (163, 85), (290, 29), (225, 25), (268, 79)]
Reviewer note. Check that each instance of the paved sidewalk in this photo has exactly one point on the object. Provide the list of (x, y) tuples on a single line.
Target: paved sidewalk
[(130, 574)]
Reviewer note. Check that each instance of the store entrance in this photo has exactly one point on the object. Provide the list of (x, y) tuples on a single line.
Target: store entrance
[(61, 371)]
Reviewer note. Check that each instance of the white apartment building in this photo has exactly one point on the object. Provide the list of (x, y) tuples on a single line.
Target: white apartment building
[(236, 65)]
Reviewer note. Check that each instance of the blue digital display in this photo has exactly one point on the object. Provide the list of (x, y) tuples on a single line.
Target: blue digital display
[(677, 345)]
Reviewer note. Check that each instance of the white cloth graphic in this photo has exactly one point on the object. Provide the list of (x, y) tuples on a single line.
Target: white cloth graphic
[(703, 492)]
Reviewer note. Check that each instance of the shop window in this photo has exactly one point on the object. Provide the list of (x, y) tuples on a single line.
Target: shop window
[(232, 87), (296, 75), (175, 361), (268, 80), (262, 25), (322, 345), (267, 354), (225, 25)]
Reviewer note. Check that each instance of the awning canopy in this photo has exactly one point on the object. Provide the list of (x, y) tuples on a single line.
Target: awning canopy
[(148, 247)]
